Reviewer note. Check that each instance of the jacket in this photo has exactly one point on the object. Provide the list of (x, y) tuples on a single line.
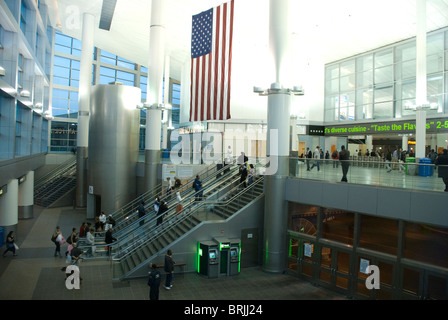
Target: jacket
[(169, 264), (442, 162)]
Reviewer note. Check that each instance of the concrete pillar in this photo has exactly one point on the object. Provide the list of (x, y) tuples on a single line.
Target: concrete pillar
[(155, 90), (9, 217), (85, 81), (26, 196), (278, 140)]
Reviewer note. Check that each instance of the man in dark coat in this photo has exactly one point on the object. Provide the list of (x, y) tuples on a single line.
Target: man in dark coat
[(169, 269), (442, 161), (344, 156), (154, 279)]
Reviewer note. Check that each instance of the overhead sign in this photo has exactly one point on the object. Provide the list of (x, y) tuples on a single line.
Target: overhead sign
[(438, 125)]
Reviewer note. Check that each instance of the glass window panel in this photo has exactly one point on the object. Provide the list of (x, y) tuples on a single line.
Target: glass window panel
[(347, 68), (107, 72), (384, 74), (379, 234), (57, 93), (125, 76), (426, 244), (434, 44), (61, 71), (106, 80), (332, 72), (384, 58), (144, 69), (62, 49), (62, 39), (76, 44), (60, 103), (60, 61), (434, 63), (348, 83), (126, 64), (384, 94), (59, 112), (364, 79), (332, 86), (406, 52), (347, 105), (76, 65), (338, 225), (61, 81), (364, 63), (383, 110), (406, 69)]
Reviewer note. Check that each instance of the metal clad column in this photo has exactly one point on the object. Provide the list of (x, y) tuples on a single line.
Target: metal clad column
[(9, 217), (155, 90), (279, 105), (85, 80), (421, 92), (26, 196)]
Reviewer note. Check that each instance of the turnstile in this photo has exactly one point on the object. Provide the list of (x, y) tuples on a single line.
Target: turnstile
[(208, 259)]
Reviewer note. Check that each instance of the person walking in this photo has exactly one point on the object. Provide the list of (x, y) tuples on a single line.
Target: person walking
[(442, 162), (58, 240), (10, 245), (197, 185), (169, 269), (154, 279), (344, 156), (141, 212)]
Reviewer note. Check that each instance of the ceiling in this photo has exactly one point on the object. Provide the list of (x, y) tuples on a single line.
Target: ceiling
[(325, 30)]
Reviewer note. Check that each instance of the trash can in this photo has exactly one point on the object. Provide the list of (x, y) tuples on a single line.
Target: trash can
[(2, 236), (410, 169), (425, 170)]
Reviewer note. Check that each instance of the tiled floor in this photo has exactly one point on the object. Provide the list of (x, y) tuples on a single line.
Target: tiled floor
[(35, 274)]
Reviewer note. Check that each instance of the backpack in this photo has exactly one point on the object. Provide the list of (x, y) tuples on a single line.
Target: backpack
[(194, 184)]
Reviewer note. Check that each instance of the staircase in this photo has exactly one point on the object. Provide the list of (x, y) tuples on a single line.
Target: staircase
[(55, 184), (140, 247)]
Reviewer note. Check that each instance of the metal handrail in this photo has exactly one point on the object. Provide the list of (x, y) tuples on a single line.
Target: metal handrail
[(58, 171), (122, 214), (187, 192), (187, 212)]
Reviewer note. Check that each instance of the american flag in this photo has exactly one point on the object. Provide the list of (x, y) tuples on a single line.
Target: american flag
[(211, 61)]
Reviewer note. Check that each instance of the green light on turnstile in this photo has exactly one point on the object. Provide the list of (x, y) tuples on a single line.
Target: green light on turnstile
[(290, 247), (239, 258), (199, 255), (224, 246)]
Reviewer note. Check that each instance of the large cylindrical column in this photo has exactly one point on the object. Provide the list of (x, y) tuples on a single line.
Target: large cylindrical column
[(85, 80), (113, 143), (421, 82), (278, 140), (9, 217), (26, 196), (155, 90)]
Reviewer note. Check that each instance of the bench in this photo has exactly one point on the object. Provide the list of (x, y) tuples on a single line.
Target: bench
[(177, 264)]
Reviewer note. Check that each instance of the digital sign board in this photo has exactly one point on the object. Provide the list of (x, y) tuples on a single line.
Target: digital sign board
[(439, 125)]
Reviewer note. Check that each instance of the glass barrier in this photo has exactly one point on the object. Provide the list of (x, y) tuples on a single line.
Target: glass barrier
[(370, 171)]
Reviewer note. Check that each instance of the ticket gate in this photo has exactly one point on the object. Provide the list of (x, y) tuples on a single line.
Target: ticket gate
[(229, 256), (208, 259)]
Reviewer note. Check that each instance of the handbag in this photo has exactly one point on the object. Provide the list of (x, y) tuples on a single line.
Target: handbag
[(16, 246)]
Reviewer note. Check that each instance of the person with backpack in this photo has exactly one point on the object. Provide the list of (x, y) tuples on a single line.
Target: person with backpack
[(197, 186), (335, 157)]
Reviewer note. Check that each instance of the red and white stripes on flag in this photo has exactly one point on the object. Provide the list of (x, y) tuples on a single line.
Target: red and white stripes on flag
[(211, 62)]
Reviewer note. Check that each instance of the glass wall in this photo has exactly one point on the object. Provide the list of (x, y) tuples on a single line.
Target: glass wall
[(382, 84), (107, 68)]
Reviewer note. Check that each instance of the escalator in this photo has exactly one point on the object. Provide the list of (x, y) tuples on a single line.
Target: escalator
[(224, 198), (55, 184)]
